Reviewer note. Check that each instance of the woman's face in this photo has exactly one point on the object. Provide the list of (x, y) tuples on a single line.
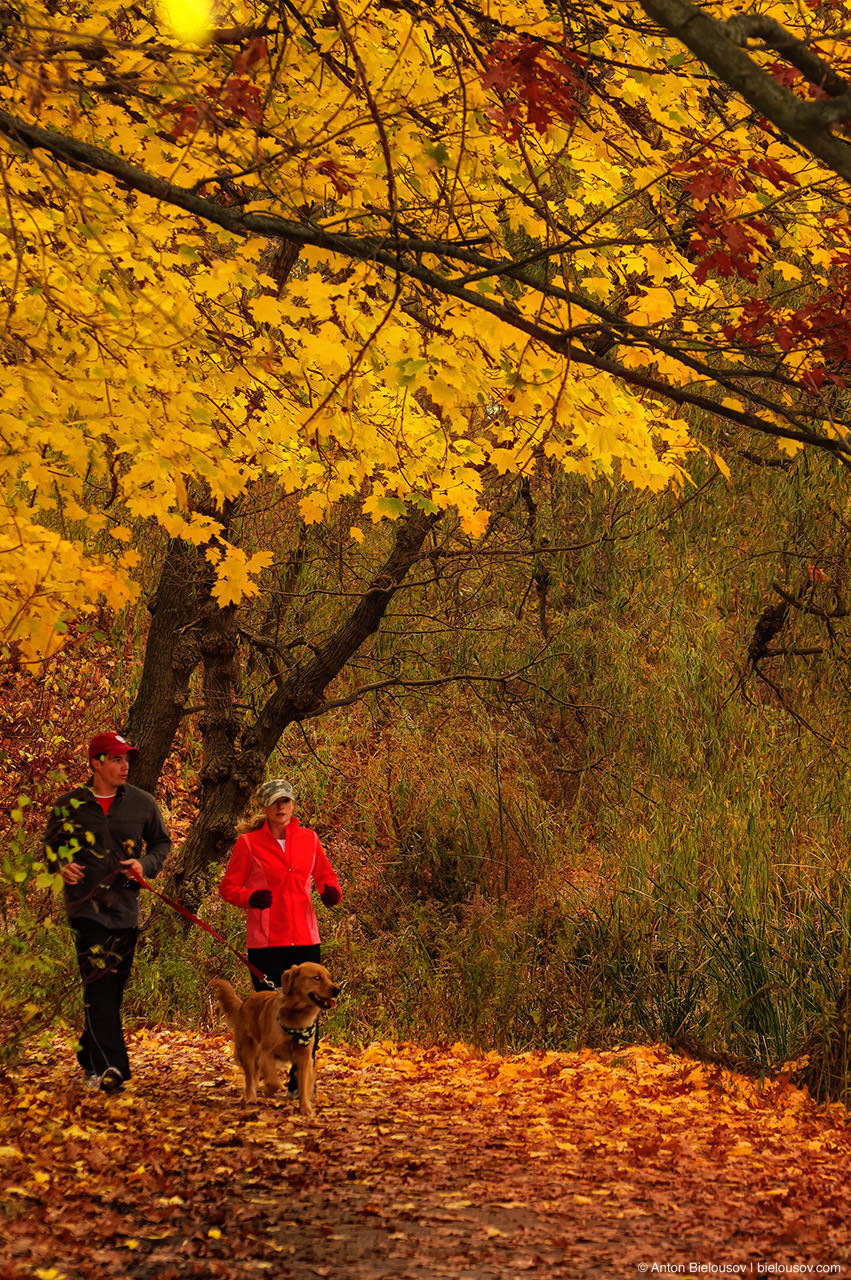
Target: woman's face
[(279, 814)]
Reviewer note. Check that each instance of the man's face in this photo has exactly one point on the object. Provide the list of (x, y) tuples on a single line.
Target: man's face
[(110, 772)]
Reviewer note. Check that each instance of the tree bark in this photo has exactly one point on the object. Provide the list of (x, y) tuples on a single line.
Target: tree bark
[(172, 653), (219, 726)]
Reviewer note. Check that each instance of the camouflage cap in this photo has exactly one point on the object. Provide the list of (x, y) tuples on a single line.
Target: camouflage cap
[(273, 790)]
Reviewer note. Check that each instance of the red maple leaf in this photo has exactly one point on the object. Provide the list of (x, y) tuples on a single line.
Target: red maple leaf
[(533, 83)]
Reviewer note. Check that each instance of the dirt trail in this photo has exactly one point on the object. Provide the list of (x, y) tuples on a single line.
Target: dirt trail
[(422, 1165)]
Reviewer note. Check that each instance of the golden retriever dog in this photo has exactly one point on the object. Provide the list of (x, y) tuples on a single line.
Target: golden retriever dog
[(278, 1026)]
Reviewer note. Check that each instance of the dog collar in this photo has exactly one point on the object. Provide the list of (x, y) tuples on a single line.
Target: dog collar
[(301, 1035)]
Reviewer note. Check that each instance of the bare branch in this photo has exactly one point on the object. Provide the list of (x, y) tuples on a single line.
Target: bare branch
[(841, 611), (466, 677)]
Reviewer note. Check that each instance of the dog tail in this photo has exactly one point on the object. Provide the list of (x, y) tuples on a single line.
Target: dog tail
[(226, 998)]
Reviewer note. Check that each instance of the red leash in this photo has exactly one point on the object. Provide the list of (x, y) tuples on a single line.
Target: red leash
[(187, 914)]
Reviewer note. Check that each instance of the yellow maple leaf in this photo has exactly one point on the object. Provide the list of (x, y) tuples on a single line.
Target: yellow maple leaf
[(654, 305), (312, 508)]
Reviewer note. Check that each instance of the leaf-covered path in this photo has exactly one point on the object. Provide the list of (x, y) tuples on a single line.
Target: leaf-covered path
[(422, 1165)]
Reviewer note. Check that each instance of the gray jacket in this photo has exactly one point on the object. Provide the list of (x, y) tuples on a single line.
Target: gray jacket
[(79, 831)]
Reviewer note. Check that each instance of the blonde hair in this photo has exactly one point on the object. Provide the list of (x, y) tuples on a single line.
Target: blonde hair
[(253, 822)]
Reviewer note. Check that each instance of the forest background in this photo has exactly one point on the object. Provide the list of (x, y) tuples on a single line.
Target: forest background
[(445, 411)]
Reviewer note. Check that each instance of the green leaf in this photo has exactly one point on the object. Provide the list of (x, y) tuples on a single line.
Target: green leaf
[(438, 153), (48, 880)]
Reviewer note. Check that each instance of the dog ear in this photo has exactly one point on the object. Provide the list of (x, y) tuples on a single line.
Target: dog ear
[(287, 980)]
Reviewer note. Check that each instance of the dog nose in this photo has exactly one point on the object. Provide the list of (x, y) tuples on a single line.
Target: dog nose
[(335, 991)]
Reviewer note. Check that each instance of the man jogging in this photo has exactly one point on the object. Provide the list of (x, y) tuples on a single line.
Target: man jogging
[(101, 835)]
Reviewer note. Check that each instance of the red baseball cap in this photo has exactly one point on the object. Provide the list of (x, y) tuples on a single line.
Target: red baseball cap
[(109, 744)]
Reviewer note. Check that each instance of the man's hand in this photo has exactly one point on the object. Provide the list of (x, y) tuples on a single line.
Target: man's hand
[(132, 867), (72, 873)]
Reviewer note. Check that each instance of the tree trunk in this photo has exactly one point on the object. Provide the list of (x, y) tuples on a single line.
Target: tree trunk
[(172, 653), (233, 769), (219, 723)]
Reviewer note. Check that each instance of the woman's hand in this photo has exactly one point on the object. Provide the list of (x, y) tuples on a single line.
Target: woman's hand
[(261, 899)]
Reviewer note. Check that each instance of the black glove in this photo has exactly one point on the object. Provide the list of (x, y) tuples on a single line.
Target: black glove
[(261, 898), (330, 895)]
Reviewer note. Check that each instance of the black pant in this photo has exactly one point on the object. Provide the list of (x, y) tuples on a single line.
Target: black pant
[(274, 962), (105, 958)]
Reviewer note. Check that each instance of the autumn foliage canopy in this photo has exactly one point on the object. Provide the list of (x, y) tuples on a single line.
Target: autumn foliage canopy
[(374, 253)]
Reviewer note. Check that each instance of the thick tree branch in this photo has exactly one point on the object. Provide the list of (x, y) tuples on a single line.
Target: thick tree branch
[(234, 775), (753, 26), (716, 44), (300, 694)]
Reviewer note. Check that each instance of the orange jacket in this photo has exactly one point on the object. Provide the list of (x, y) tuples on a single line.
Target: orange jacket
[(259, 862)]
